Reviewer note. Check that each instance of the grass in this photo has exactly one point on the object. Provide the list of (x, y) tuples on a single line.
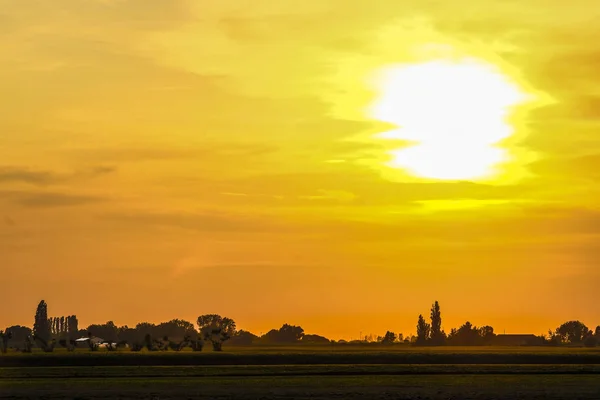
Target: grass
[(289, 370), (314, 355), (307, 372), (413, 387)]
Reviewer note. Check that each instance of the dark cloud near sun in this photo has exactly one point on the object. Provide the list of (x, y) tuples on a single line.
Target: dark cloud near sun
[(584, 167)]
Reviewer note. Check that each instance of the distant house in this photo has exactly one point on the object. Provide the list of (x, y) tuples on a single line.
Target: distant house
[(514, 340)]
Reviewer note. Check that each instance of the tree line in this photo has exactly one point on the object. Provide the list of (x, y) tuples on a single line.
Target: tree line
[(432, 334), (214, 330)]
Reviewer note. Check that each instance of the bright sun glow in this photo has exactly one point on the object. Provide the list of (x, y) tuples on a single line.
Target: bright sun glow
[(453, 114)]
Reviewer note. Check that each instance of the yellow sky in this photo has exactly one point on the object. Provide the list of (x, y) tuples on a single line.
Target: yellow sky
[(163, 158)]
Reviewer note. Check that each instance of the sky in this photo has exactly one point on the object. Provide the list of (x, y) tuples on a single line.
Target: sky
[(164, 159)]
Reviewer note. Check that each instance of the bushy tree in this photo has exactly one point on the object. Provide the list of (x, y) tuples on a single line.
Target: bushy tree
[(389, 338), (590, 341), (466, 335), (4, 338), (423, 331), (243, 338), (175, 329), (286, 334), (487, 334), (315, 339), (28, 344), (149, 342), (291, 333), (573, 332), (19, 335), (146, 328), (216, 329), (108, 331), (68, 344)]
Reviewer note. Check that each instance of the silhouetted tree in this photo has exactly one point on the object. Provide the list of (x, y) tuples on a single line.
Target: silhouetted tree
[(590, 341), (437, 335), (4, 338), (216, 329), (573, 332), (41, 327), (175, 329), (72, 326), (46, 345), (242, 338), (291, 333), (108, 331), (195, 342), (466, 335), (389, 338), (553, 339), (68, 344), (28, 344), (130, 336), (315, 339), (286, 334), (18, 335), (175, 346), (149, 342), (145, 328), (91, 341), (487, 334), (423, 331), (597, 333)]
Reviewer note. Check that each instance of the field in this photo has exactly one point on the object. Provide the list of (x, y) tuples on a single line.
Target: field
[(319, 372)]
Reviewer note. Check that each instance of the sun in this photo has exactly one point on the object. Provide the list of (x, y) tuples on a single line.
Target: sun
[(451, 116)]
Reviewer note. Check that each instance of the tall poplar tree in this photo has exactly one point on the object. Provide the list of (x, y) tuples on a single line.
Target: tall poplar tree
[(41, 325)]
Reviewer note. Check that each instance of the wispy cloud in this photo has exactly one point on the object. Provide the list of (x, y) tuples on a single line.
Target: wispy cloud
[(39, 177), (33, 199)]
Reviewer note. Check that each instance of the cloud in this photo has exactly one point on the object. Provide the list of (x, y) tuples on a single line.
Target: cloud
[(203, 151), (11, 174), (119, 14), (199, 222), (101, 170), (16, 174), (367, 188), (49, 199), (575, 168)]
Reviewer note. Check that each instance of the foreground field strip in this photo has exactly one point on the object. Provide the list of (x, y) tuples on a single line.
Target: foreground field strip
[(381, 387), (322, 358), (291, 370)]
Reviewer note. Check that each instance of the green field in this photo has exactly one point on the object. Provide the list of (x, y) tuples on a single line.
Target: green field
[(303, 355), (319, 372), (373, 387)]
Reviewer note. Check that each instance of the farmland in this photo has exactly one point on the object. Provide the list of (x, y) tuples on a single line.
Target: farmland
[(317, 372), (313, 355)]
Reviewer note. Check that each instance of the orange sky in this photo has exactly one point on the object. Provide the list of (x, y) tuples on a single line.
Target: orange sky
[(163, 159)]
